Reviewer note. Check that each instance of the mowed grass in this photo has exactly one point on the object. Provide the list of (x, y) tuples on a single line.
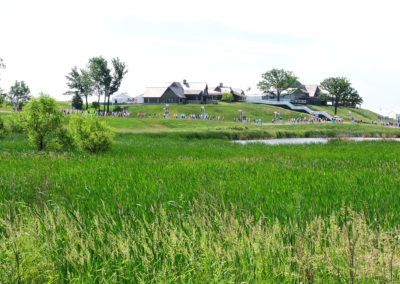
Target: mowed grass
[(359, 114)]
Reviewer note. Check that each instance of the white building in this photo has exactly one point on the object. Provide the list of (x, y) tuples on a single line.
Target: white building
[(122, 98)]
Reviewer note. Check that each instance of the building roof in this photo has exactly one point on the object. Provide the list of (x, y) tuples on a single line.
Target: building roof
[(122, 95), (154, 92), (311, 89), (238, 92)]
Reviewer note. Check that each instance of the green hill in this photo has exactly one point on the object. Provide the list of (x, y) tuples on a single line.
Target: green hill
[(227, 110), (358, 113)]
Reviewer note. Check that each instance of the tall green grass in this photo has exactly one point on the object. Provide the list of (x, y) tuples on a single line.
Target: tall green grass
[(177, 209)]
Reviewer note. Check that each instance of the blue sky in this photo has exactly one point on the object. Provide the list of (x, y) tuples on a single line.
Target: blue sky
[(214, 41)]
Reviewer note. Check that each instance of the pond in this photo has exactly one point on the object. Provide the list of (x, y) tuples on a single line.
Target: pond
[(310, 140)]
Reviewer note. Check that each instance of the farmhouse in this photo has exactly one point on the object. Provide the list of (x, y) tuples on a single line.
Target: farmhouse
[(217, 92), (172, 93), (303, 94), (189, 93)]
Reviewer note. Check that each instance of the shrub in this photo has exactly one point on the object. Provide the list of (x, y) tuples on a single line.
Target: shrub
[(16, 122), (42, 121), (95, 105), (3, 130), (227, 97), (117, 109), (77, 102), (91, 134)]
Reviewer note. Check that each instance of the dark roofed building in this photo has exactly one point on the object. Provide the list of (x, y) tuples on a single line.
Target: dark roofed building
[(216, 93), (189, 92), (163, 95)]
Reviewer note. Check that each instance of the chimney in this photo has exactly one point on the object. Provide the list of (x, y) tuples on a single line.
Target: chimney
[(221, 84), (184, 81)]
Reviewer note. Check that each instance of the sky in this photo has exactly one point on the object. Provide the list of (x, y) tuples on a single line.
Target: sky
[(211, 41)]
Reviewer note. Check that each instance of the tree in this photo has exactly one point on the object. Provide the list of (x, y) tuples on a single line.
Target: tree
[(101, 76), (106, 83), (278, 80), (118, 74), (341, 93), (2, 95), (354, 99), (77, 101), (227, 97), (42, 121), (18, 95), (80, 82), (2, 65)]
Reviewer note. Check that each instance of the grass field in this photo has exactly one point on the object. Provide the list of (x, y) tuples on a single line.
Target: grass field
[(174, 209), (173, 202)]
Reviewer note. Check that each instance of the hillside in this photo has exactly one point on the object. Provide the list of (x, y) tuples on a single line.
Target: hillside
[(228, 110), (359, 114)]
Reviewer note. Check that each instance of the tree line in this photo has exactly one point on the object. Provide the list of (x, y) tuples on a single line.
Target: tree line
[(18, 95), (339, 89), (95, 79)]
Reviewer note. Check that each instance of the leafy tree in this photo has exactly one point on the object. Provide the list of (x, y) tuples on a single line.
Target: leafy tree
[(106, 83), (227, 97), (278, 80), (2, 65), (95, 105), (18, 95), (101, 76), (80, 82), (42, 121), (77, 102), (341, 93), (2, 95), (354, 99), (91, 134), (119, 71)]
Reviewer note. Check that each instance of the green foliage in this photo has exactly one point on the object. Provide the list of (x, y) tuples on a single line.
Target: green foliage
[(42, 121), (77, 102), (227, 97), (19, 95), (170, 210), (3, 129), (341, 93), (96, 105), (80, 82), (105, 82), (117, 109), (91, 134), (278, 80)]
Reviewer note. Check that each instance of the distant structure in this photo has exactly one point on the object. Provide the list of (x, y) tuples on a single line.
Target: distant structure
[(189, 93), (304, 94), (122, 98)]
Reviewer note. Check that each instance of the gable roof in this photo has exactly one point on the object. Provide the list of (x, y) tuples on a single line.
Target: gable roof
[(154, 92), (311, 89)]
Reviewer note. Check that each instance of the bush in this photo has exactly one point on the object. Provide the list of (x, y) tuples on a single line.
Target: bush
[(3, 130), (95, 105), (227, 97), (90, 134), (16, 122), (42, 121), (77, 102), (117, 109)]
